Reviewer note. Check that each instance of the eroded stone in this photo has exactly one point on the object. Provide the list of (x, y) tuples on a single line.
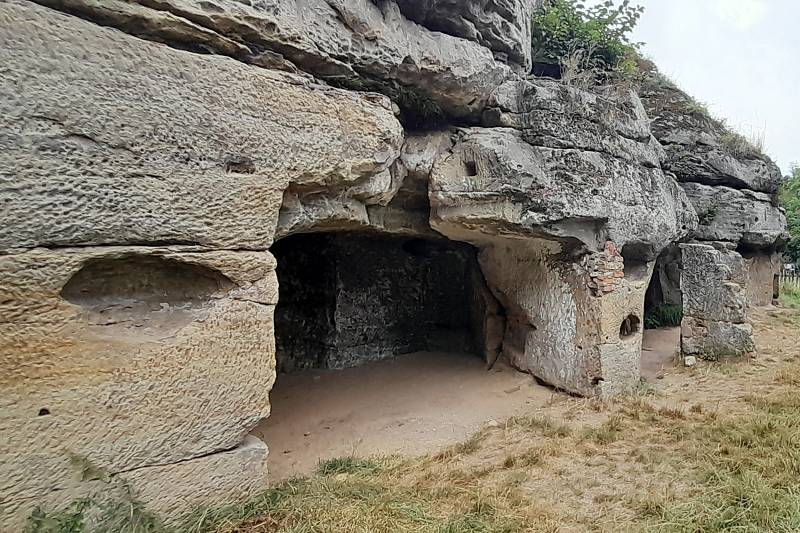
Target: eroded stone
[(352, 43), (126, 358), (713, 285), (109, 139)]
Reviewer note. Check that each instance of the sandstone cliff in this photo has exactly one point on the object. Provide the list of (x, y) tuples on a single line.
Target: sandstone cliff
[(152, 157)]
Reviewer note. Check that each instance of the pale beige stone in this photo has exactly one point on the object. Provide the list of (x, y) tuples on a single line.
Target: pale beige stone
[(109, 139), (763, 269), (171, 492), (556, 327), (127, 358)]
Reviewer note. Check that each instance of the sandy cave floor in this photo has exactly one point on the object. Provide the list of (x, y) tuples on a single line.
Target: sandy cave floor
[(413, 404)]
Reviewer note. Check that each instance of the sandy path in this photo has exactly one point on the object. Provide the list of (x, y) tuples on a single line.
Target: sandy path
[(658, 351), (413, 404)]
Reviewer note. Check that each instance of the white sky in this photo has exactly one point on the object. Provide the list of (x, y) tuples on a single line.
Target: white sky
[(740, 57)]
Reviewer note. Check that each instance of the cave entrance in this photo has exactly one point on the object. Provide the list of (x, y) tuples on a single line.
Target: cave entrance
[(347, 300), (663, 312), (381, 348)]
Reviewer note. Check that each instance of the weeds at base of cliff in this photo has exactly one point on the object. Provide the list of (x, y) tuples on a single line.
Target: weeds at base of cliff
[(126, 515)]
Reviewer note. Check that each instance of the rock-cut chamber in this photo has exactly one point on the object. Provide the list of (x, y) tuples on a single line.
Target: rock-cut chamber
[(350, 299)]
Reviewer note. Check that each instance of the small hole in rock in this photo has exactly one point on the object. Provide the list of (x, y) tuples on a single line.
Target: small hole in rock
[(240, 166), (44, 411), (629, 326), (472, 168)]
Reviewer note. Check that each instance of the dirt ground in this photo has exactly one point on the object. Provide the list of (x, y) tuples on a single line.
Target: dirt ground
[(660, 348), (708, 449), (410, 405), (413, 404)]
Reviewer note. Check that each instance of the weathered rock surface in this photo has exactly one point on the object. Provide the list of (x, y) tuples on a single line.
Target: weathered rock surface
[(738, 216), (713, 283), (763, 270), (552, 193), (558, 329), (554, 115), (169, 491), (408, 213), (730, 183), (352, 299), (356, 43), (109, 139), (699, 148), (108, 353), (496, 183), (143, 180), (504, 26)]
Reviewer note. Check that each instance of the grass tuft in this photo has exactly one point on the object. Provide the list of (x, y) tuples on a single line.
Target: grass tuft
[(348, 465), (663, 316)]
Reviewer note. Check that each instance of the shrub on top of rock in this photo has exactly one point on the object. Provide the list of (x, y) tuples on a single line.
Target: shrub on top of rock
[(587, 39)]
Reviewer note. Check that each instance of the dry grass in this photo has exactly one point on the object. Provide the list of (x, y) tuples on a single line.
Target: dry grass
[(708, 449)]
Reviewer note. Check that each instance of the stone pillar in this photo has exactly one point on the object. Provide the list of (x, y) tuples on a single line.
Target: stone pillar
[(713, 283), (574, 325)]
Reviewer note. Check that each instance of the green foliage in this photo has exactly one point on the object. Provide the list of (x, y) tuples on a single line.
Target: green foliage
[(708, 215), (600, 35), (790, 294), (86, 515), (790, 201), (663, 316)]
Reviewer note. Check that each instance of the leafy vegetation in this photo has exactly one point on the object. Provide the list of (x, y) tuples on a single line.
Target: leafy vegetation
[(708, 216), (663, 316), (790, 294), (790, 201), (590, 39), (125, 515)]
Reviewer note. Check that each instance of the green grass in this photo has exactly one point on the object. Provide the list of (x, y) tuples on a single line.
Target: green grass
[(348, 465), (790, 295), (124, 515), (663, 316), (747, 473)]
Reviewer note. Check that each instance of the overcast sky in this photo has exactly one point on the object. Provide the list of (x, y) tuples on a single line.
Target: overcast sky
[(740, 57)]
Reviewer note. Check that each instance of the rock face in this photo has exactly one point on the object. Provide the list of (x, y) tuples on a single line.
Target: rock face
[(355, 43), (763, 286), (714, 282), (351, 300), (732, 187), (699, 148), (534, 196), (747, 218), (140, 341), (503, 26), (152, 158), (110, 352), (101, 160)]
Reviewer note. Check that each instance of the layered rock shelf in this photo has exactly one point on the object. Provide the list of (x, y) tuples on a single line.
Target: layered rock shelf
[(402, 167)]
